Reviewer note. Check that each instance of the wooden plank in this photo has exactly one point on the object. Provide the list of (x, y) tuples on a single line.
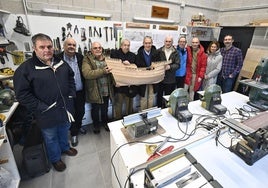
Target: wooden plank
[(137, 25), (252, 59), (168, 27)]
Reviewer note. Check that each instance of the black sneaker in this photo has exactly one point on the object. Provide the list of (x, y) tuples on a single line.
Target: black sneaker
[(21, 28)]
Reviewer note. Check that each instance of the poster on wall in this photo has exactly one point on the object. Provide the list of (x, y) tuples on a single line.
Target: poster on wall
[(136, 37)]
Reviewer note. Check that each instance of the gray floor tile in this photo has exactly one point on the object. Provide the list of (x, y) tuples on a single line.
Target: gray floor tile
[(90, 168), (106, 165)]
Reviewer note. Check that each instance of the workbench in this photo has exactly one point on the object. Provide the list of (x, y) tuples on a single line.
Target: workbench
[(130, 156), (6, 152)]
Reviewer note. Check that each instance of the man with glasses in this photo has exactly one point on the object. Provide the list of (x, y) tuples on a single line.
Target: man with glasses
[(74, 60), (181, 72), (146, 55), (44, 84), (166, 86), (98, 86)]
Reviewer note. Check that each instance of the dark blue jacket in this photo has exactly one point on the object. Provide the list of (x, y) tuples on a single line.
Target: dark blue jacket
[(140, 62), (46, 92), (129, 56)]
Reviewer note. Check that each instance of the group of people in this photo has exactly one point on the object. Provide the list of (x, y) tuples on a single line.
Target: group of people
[(55, 87)]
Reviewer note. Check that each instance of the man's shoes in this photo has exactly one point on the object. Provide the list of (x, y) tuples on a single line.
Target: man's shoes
[(74, 141), (71, 152), (59, 166), (106, 127), (82, 131)]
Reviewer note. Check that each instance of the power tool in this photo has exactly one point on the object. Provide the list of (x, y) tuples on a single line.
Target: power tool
[(178, 102), (212, 100)]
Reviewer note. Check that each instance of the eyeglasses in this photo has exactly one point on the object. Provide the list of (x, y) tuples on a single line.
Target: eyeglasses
[(97, 48)]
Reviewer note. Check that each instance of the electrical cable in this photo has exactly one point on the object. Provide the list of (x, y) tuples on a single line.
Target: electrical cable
[(118, 150)]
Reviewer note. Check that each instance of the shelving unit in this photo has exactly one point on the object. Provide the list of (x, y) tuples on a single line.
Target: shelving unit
[(204, 33)]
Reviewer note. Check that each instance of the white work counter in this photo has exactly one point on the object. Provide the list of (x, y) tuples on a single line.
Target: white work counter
[(131, 156), (227, 168), (10, 175)]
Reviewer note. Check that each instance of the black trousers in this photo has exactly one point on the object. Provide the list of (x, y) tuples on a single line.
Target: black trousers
[(103, 108), (164, 89), (180, 81), (79, 107)]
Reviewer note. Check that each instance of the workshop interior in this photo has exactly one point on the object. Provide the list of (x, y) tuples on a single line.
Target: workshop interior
[(218, 140)]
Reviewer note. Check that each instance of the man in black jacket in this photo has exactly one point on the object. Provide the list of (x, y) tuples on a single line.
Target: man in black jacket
[(44, 84), (168, 53), (75, 62), (124, 93), (146, 55)]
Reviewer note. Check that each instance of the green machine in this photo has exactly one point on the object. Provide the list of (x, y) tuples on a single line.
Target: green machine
[(212, 100), (178, 102), (258, 94)]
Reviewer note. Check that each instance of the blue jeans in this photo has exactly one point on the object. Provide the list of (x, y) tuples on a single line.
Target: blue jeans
[(226, 84), (56, 141)]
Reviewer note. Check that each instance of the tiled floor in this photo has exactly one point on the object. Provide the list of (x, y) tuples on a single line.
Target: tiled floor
[(90, 168)]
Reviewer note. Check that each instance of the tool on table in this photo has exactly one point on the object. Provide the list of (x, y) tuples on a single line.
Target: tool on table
[(254, 131), (178, 102), (142, 123), (160, 145), (258, 94), (106, 33), (111, 30), (160, 153), (212, 100)]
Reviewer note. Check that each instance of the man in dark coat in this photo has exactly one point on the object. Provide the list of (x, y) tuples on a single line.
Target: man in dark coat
[(124, 94), (44, 84), (168, 53), (75, 62), (146, 55)]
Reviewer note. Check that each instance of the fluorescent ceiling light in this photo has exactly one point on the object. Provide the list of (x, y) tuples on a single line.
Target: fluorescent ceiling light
[(58, 11), (153, 20)]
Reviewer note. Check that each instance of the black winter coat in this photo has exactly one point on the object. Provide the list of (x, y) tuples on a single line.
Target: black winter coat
[(47, 92), (130, 91)]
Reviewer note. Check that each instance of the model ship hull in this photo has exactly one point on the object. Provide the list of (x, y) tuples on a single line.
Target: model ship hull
[(126, 75)]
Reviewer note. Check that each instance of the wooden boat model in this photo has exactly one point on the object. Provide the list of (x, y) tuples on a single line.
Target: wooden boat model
[(126, 75)]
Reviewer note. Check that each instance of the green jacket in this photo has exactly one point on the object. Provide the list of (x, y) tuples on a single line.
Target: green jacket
[(91, 74)]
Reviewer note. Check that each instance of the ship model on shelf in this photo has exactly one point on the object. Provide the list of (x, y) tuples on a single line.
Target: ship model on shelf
[(201, 20)]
